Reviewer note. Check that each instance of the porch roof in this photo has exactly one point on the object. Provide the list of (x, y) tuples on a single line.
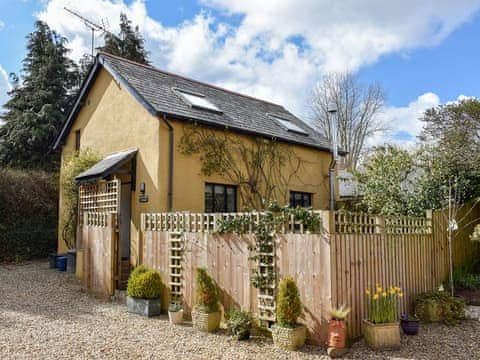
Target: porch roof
[(106, 166)]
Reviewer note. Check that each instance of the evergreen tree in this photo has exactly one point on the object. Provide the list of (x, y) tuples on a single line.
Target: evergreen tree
[(37, 107), (129, 43)]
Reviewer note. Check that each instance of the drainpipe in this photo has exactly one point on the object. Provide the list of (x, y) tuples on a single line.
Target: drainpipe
[(332, 111), (170, 163)]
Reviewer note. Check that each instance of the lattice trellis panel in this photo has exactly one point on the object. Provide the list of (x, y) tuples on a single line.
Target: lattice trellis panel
[(100, 197), (266, 293), (175, 243)]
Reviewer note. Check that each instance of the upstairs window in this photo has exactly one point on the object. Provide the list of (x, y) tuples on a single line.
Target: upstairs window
[(220, 198), (289, 126), (301, 199), (198, 101)]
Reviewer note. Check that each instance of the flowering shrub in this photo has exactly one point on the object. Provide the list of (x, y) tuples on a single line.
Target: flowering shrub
[(382, 304), (475, 236)]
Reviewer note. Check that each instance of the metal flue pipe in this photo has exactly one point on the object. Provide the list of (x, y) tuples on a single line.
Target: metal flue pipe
[(332, 112)]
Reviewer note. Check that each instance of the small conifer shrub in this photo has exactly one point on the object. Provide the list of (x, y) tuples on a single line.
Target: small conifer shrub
[(206, 293), (289, 306), (144, 283)]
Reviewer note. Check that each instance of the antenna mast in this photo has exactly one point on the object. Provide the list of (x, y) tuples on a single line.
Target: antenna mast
[(91, 25)]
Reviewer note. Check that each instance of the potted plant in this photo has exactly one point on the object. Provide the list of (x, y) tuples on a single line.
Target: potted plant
[(287, 333), (175, 312), (239, 324), (381, 329), (410, 324), (439, 305), (206, 313), (337, 329), (144, 289)]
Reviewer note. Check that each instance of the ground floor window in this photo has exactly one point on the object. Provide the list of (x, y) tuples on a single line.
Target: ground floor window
[(301, 199), (220, 198)]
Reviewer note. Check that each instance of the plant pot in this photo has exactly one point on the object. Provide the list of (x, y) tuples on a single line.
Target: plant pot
[(381, 336), (71, 260), (144, 307), (61, 263), (175, 317), (289, 338), (432, 312), (337, 333), (52, 260), (410, 327), (206, 322)]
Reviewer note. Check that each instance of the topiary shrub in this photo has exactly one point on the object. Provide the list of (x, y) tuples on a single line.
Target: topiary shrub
[(144, 283), (206, 292), (289, 305), (439, 306)]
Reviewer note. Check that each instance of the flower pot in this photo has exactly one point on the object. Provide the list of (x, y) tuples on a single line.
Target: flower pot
[(175, 317), (337, 333), (206, 322), (410, 327), (144, 307), (61, 263), (289, 338), (71, 260), (381, 336)]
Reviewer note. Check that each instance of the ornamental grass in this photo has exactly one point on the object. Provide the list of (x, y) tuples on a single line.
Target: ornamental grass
[(383, 304)]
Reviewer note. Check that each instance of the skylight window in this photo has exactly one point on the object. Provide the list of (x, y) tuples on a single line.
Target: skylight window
[(198, 101), (290, 126)]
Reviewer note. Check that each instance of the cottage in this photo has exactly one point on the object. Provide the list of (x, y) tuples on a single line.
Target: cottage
[(171, 143)]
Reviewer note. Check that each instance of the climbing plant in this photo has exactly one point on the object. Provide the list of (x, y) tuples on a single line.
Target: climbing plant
[(263, 169)]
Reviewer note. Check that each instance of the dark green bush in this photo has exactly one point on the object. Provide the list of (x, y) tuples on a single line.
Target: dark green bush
[(206, 292), (289, 306), (239, 324), (450, 308), (465, 278), (144, 283), (28, 214)]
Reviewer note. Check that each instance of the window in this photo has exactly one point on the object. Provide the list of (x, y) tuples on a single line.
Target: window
[(198, 101), (77, 140), (301, 199), (220, 198), (289, 126)]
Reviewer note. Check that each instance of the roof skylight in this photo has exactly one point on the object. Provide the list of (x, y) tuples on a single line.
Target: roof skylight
[(289, 126), (198, 101)]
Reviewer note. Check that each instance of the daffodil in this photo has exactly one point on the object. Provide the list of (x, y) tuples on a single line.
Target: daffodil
[(400, 294), (379, 289), (367, 292), (375, 297), (384, 294), (392, 291)]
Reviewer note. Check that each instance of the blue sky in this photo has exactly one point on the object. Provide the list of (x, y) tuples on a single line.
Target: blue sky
[(422, 53)]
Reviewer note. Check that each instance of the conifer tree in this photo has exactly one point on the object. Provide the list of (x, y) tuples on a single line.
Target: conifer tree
[(39, 103), (129, 43)]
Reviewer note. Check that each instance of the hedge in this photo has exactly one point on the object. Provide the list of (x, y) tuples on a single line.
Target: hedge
[(28, 214)]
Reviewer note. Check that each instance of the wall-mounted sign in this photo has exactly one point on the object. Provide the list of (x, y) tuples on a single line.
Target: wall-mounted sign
[(143, 198)]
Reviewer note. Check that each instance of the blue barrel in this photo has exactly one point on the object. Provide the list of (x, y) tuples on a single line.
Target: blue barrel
[(62, 263)]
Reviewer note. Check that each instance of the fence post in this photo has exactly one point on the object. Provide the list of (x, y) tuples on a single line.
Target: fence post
[(379, 224), (328, 221)]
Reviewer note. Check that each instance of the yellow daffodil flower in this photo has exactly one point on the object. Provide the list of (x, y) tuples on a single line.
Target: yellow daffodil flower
[(400, 294), (367, 292), (384, 294), (375, 297)]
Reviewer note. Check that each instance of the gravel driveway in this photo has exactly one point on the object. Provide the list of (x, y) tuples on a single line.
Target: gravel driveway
[(45, 314)]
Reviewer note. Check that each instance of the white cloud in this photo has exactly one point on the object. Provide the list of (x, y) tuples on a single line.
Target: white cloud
[(4, 88), (280, 48)]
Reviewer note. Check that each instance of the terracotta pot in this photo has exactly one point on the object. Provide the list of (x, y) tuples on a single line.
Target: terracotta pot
[(175, 317), (381, 336), (289, 338), (337, 333)]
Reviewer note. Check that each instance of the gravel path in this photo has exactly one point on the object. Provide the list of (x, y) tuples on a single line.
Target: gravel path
[(45, 314)]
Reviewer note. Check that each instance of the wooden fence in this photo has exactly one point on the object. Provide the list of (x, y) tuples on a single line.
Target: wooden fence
[(99, 246), (354, 252)]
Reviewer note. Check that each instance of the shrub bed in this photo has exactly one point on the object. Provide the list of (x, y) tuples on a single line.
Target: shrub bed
[(28, 214)]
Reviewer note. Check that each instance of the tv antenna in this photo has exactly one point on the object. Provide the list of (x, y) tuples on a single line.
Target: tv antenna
[(92, 26)]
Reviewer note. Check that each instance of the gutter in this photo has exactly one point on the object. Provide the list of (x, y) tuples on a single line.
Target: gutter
[(170, 162)]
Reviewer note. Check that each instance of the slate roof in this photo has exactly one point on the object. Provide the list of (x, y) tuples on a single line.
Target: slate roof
[(157, 90), (106, 166)]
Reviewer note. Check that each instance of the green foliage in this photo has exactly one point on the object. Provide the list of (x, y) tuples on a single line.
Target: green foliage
[(289, 306), (78, 163), (129, 43), (388, 182), (464, 278), (451, 309), (144, 284), (175, 306), (239, 324), (339, 313), (38, 105), (28, 214), (206, 292), (383, 304)]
